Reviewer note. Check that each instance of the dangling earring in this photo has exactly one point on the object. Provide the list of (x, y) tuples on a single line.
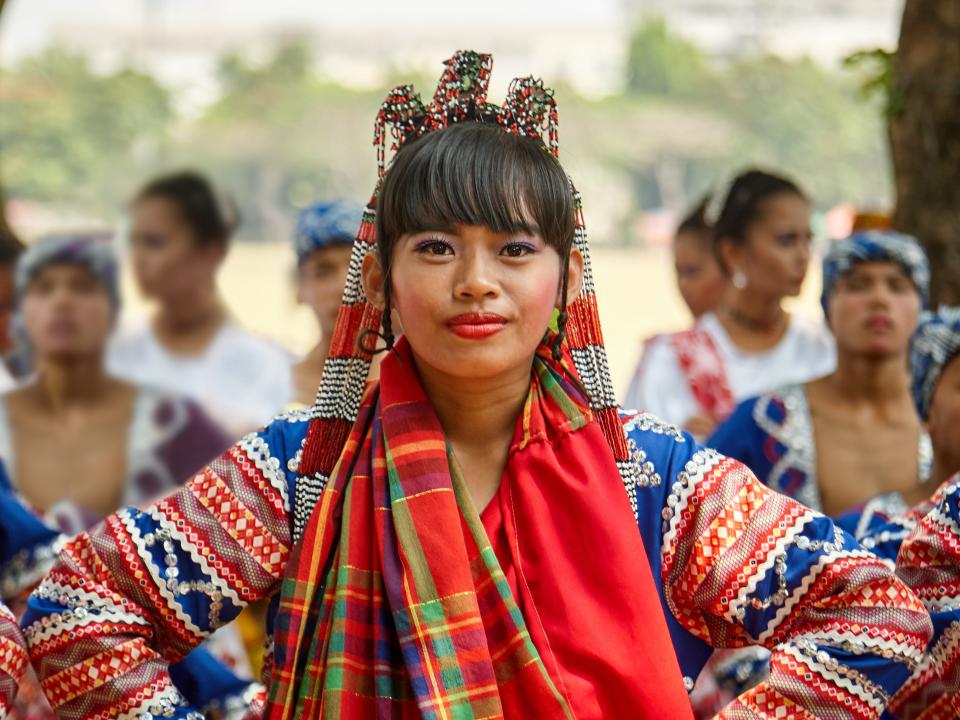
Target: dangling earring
[(739, 279)]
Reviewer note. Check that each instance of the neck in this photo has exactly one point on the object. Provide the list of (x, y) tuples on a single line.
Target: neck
[(873, 381), (476, 413), (61, 386), (191, 312), (753, 311)]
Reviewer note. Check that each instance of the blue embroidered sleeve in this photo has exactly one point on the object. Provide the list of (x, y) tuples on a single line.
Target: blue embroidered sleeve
[(147, 586), (742, 565)]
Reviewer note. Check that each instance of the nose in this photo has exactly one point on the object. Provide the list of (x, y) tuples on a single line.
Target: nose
[(804, 251), (475, 278), (880, 295)]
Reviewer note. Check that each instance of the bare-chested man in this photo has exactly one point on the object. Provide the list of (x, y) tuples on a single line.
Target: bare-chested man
[(78, 442), (840, 441)]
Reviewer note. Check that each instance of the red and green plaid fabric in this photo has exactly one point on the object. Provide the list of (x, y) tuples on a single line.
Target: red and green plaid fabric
[(398, 607)]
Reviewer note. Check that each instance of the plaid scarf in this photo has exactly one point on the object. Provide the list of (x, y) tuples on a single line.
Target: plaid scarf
[(394, 603), (398, 607)]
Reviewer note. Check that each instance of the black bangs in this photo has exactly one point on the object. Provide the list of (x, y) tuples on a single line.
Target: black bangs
[(475, 174)]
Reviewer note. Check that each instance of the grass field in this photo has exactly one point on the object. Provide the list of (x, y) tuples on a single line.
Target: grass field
[(635, 288)]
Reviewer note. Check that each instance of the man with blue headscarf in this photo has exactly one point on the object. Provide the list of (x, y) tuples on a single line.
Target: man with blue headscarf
[(852, 436), (924, 541), (323, 240)]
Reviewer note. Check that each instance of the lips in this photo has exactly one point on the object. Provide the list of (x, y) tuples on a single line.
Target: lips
[(476, 325), (879, 324)]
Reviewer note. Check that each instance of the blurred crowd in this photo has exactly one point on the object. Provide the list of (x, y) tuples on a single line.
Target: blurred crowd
[(834, 412)]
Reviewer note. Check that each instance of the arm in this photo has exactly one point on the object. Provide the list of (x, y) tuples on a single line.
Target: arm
[(148, 585), (742, 565), (929, 562), (13, 659)]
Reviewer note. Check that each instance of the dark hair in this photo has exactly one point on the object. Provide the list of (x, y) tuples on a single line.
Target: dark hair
[(695, 223), (475, 173), (744, 202), (193, 196), (10, 248)]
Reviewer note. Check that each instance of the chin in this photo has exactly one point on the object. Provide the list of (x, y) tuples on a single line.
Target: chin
[(474, 363)]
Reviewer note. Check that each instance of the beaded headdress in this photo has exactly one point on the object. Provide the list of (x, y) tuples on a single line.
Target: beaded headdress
[(529, 110)]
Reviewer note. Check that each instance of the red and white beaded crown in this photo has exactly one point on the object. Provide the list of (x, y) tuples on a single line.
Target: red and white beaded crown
[(461, 96)]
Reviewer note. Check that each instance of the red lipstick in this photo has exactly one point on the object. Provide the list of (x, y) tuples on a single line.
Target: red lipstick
[(476, 325)]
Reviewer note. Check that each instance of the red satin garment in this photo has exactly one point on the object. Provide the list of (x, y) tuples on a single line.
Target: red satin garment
[(582, 580)]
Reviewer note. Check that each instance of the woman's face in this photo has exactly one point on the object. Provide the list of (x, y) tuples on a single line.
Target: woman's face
[(67, 313), (320, 280), (776, 250), (873, 310), (699, 277), (167, 260), (474, 304)]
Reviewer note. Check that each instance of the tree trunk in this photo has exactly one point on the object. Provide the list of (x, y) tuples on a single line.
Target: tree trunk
[(5, 229), (925, 137)]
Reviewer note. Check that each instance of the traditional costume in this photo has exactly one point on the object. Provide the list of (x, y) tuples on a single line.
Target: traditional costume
[(772, 434), (615, 557), (27, 550)]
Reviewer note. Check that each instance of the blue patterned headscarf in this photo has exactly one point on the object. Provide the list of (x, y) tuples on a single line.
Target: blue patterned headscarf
[(95, 253), (935, 343), (92, 252), (875, 246), (326, 224)]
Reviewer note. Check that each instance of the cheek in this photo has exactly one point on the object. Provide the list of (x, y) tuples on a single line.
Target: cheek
[(908, 310), (536, 297), (33, 314), (97, 317), (415, 300)]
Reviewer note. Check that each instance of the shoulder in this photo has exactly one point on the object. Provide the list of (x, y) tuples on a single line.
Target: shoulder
[(659, 448), (282, 441)]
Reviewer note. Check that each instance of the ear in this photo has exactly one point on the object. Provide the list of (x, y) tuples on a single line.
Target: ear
[(730, 255), (371, 276), (574, 277)]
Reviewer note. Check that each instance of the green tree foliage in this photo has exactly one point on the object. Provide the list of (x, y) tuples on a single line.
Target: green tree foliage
[(71, 136), (791, 116), (660, 63), (279, 135)]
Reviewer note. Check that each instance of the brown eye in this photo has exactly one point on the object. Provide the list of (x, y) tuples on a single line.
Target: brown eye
[(434, 246), (516, 250)]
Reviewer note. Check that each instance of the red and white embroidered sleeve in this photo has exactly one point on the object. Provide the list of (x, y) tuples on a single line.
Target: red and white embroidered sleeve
[(929, 562), (743, 565), (13, 659), (148, 585)]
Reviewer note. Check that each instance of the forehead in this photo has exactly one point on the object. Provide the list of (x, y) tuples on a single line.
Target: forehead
[(329, 254), (65, 271), (875, 269)]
